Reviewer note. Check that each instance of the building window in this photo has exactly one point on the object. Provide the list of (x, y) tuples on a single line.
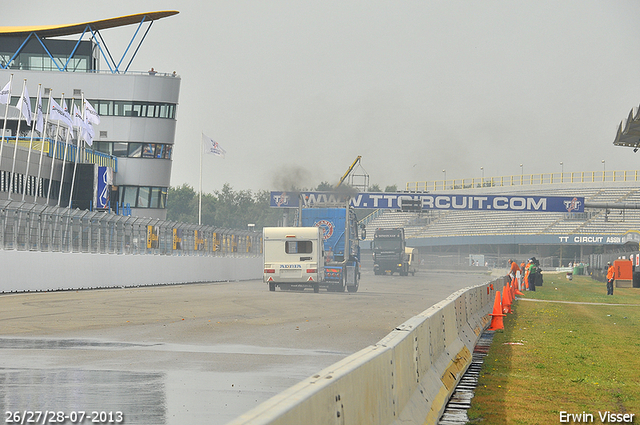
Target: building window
[(120, 149), (129, 194), (163, 197), (143, 197), (148, 150), (104, 147), (135, 150), (125, 108), (104, 108), (156, 196)]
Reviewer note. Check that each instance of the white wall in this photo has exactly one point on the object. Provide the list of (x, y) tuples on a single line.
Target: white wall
[(45, 271), (406, 378)]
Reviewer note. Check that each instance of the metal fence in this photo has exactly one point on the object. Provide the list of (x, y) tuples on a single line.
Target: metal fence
[(586, 177), (30, 227)]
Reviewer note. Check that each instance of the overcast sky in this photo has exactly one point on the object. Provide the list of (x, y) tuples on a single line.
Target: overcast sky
[(296, 90)]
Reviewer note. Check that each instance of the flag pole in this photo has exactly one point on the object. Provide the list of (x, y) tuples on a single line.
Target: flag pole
[(43, 136), (15, 148), (64, 156), (6, 112), (33, 127), (200, 191), (213, 148), (55, 148), (75, 165)]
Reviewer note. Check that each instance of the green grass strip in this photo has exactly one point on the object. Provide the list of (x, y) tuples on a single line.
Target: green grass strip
[(567, 349)]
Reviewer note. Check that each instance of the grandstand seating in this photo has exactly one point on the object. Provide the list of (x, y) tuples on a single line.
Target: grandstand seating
[(430, 224)]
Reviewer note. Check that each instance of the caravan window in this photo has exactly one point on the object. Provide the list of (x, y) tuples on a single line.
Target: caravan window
[(298, 247)]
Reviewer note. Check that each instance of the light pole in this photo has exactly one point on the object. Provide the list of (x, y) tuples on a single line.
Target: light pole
[(482, 181), (521, 175), (561, 170), (604, 169), (444, 182)]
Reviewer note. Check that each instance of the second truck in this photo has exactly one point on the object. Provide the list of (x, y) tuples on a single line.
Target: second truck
[(389, 253)]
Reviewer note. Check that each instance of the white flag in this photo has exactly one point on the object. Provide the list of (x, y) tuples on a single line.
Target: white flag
[(24, 105), (90, 114), (39, 119), (86, 129), (57, 113), (77, 116), (4, 94), (212, 147), (87, 133)]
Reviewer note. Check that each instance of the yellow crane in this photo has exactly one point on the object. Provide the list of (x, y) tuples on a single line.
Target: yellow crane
[(349, 171)]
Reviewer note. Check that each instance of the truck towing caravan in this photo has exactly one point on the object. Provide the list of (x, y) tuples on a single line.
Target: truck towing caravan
[(323, 252)]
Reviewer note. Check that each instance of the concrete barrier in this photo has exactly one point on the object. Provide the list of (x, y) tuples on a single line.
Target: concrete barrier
[(24, 271), (407, 377)]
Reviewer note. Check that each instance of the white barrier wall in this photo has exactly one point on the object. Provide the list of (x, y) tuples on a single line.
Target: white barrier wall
[(407, 377), (47, 271)]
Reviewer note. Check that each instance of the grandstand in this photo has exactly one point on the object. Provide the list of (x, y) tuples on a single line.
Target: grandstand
[(523, 234)]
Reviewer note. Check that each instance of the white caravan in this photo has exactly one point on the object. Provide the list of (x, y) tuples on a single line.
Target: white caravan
[(293, 256)]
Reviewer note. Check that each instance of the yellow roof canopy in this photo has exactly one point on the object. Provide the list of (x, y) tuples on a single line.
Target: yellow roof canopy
[(94, 27), (71, 29)]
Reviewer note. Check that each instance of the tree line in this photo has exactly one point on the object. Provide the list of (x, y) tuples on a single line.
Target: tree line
[(232, 209)]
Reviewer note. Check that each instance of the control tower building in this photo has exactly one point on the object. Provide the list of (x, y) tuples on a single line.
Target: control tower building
[(127, 168)]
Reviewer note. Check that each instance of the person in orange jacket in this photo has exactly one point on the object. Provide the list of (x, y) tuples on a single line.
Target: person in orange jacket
[(514, 269), (611, 275)]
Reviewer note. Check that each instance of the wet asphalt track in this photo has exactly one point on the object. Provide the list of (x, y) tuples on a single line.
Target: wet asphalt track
[(200, 353)]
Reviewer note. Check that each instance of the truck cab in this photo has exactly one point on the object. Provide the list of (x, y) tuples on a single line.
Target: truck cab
[(389, 252), (341, 245)]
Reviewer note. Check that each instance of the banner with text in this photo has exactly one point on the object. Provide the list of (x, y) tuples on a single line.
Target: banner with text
[(385, 200)]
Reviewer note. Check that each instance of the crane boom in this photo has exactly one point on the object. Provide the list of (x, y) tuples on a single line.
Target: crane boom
[(349, 170)]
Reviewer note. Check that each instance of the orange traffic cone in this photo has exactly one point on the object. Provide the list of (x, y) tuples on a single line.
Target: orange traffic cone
[(512, 292), (516, 290), (506, 300), (497, 315)]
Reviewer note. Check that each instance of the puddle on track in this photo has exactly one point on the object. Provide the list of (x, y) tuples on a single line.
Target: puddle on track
[(172, 384)]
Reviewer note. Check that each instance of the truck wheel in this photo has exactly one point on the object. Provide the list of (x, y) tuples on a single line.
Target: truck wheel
[(316, 287), (272, 286)]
